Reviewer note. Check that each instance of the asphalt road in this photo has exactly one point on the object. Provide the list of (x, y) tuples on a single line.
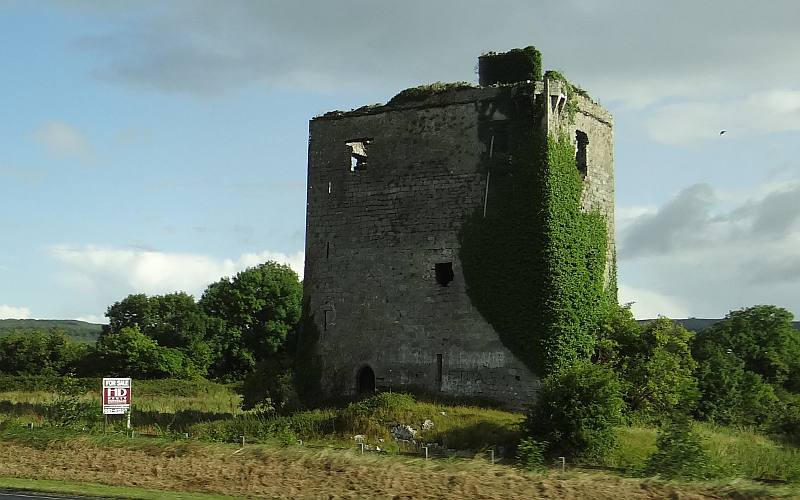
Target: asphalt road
[(32, 495)]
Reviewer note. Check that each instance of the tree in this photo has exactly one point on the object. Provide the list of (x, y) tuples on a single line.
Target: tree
[(255, 311), (577, 410), (173, 320), (745, 362), (130, 353), (39, 353), (654, 363), (763, 338)]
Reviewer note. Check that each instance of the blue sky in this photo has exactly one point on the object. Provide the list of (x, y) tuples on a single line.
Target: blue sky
[(157, 146)]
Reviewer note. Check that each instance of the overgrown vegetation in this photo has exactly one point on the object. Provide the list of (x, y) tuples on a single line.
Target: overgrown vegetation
[(578, 409), (422, 92), (548, 310), (516, 65)]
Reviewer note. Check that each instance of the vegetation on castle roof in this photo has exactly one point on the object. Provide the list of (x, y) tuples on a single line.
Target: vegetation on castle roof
[(423, 92), (516, 65)]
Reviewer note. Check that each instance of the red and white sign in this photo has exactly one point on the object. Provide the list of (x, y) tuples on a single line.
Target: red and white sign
[(116, 396)]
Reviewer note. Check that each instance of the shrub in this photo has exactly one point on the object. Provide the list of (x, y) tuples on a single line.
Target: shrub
[(68, 410), (530, 454), (577, 410), (786, 420), (273, 380), (679, 453), (370, 416)]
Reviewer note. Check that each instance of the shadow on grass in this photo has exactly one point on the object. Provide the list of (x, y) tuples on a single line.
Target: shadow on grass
[(478, 436), (179, 421), (22, 409)]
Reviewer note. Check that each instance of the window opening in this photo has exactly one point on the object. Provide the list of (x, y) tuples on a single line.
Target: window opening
[(439, 359), (580, 155), (325, 320), (444, 273), (358, 154), (328, 250)]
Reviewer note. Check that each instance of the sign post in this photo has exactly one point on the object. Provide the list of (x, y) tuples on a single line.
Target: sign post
[(117, 397)]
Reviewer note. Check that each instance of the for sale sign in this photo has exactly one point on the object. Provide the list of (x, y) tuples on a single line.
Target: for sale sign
[(116, 396)]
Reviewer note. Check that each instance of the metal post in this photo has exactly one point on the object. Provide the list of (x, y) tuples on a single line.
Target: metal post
[(491, 452), (362, 448), (129, 419), (242, 441), (563, 463), (426, 452)]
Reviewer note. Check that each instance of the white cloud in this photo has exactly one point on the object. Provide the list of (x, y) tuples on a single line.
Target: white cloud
[(13, 312), (648, 304), (64, 140), (93, 318), (91, 267), (97, 276)]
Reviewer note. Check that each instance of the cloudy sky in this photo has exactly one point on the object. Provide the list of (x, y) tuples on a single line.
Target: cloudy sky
[(157, 146)]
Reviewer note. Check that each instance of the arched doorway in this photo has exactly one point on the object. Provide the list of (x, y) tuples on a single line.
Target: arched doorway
[(365, 381)]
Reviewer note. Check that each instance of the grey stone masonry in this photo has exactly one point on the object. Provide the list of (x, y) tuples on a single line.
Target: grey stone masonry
[(389, 188)]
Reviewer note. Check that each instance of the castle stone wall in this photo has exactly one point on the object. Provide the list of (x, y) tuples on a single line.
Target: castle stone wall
[(388, 191)]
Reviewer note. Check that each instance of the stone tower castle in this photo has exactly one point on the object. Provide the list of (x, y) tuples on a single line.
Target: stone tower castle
[(389, 189)]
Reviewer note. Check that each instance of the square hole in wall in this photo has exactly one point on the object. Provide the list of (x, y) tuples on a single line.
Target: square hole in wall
[(444, 273)]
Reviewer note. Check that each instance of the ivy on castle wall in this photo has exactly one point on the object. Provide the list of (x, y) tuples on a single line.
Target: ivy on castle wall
[(575, 257), (534, 265)]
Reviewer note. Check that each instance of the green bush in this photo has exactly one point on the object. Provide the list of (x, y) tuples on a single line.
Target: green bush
[(576, 412), (68, 409), (785, 422), (530, 454), (679, 453), (272, 380), (370, 416)]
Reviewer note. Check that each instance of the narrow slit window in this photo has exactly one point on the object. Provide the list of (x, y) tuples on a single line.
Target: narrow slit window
[(439, 359), (359, 150), (580, 155), (328, 250), (325, 320), (444, 273)]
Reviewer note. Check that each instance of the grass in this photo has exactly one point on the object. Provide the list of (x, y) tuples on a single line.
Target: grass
[(736, 452), (147, 468), (102, 490), (210, 412)]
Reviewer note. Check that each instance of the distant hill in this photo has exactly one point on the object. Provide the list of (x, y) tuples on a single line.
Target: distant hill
[(80, 331), (700, 324)]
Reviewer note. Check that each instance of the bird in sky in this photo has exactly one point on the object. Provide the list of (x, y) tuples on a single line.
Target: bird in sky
[(722, 132)]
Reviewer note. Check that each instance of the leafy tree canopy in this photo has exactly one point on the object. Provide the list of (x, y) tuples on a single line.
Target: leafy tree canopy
[(654, 363), (255, 311), (762, 337)]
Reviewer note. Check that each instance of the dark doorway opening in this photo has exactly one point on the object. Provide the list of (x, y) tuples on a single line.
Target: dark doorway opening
[(365, 381)]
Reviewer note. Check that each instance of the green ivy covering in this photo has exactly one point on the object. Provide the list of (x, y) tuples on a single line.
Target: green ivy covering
[(534, 264)]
